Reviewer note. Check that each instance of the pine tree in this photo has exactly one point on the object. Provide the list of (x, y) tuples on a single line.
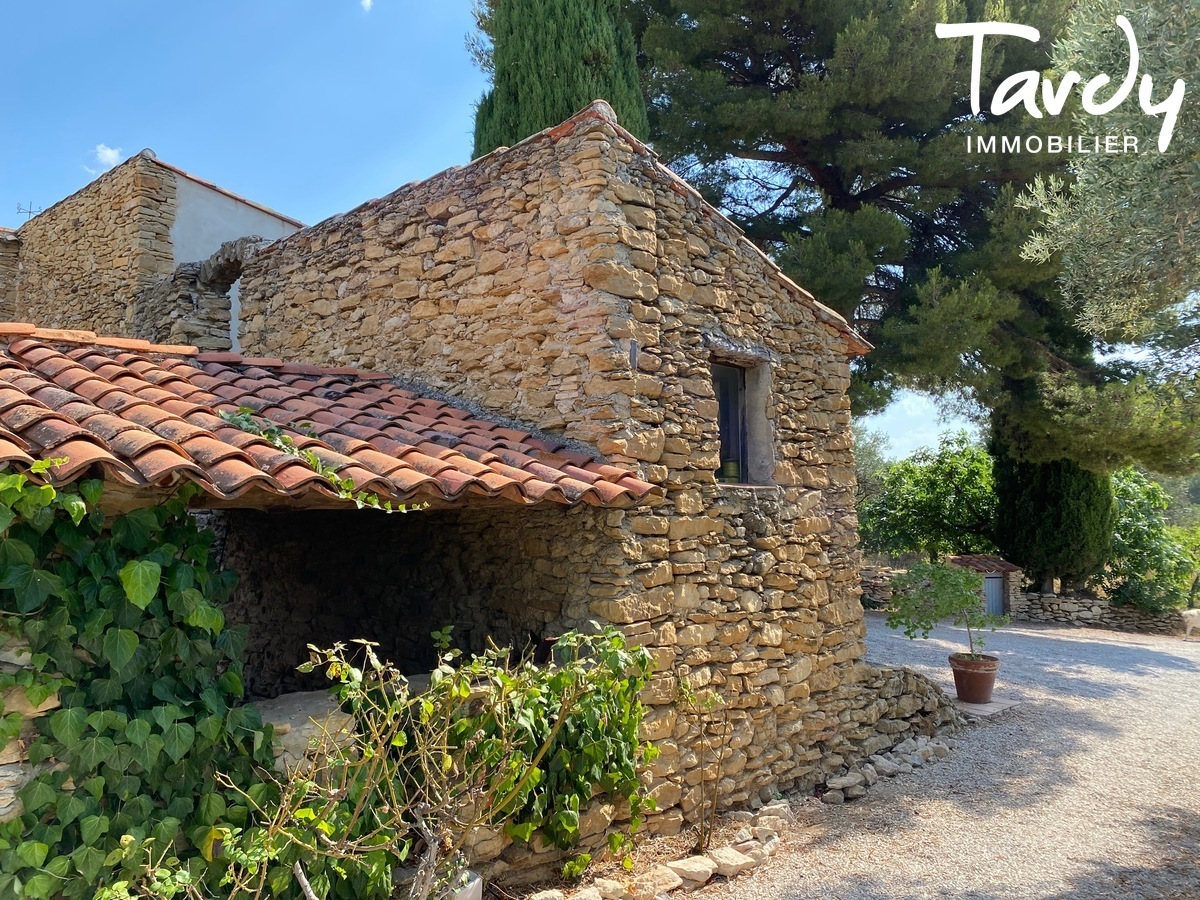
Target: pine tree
[(835, 135), (550, 58), (1053, 519)]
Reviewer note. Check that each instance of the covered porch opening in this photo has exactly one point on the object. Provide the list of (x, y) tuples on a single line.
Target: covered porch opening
[(512, 574)]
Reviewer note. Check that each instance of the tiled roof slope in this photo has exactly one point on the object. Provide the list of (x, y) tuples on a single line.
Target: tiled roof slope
[(143, 415), (982, 562)]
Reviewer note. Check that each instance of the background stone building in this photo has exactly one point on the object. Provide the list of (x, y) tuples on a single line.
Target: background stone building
[(103, 258)]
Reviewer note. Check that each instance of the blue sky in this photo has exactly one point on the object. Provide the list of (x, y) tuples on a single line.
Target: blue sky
[(307, 106)]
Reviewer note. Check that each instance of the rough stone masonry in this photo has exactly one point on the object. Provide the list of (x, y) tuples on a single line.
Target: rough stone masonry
[(575, 284)]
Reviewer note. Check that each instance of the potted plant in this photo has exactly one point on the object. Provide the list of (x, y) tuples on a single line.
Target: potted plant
[(933, 592)]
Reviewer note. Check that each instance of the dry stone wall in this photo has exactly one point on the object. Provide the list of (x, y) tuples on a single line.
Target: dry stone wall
[(83, 260), (573, 283), (321, 577), (10, 248), (1094, 612)]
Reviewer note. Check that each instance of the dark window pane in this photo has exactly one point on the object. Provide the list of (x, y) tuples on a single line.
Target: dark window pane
[(730, 385)]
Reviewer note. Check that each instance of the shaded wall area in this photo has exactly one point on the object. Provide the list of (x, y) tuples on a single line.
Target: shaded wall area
[(502, 573)]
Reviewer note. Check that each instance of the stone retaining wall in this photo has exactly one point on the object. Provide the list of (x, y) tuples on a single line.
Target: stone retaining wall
[(877, 585), (1094, 612)]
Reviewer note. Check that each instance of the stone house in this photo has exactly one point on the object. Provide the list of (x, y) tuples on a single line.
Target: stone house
[(99, 259), (619, 409)]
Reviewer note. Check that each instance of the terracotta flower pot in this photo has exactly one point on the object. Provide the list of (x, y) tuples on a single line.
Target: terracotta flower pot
[(974, 678)]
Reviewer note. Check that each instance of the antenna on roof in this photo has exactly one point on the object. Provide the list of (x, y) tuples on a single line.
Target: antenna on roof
[(28, 211)]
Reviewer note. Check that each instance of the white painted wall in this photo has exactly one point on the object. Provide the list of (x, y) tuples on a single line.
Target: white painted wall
[(205, 219)]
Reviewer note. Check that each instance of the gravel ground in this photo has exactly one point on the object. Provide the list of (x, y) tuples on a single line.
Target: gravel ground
[(1087, 790)]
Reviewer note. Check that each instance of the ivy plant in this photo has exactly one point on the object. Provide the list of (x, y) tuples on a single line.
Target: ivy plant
[(122, 618)]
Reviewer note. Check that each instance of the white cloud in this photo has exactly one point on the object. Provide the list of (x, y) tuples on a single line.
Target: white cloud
[(367, 4), (106, 157)]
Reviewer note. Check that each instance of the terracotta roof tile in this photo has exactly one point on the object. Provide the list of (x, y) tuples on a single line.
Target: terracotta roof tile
[(984, 563), (145, 414)]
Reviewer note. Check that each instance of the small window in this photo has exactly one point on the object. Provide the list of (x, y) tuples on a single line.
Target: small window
[(730, 384)]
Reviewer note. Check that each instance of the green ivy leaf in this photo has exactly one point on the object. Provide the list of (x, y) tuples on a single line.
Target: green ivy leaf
[(93, 751), (91, 490), (88, 861), (178, 739), (6, 517), (137, 731), (211, 728), (231, 683), (37, 795), (74, 505), (14, 552), (67, 725), (107, 720), (33, 853), (39, 887), (207, 617), (69, 809), (94, 786), (31, 586), (211, 809), (119, 646), (140, 580), (91, 828), (133, 530)]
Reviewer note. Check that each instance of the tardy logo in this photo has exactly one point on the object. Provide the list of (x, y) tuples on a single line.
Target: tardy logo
[(1022, 88)]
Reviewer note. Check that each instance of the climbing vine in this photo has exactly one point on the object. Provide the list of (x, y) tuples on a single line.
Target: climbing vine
[(275, 435), (122, 620), (153, 779)]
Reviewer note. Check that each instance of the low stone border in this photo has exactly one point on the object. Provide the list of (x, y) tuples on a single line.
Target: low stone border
[(910, 754), (759, 839), (1093, 612), (755, 842)]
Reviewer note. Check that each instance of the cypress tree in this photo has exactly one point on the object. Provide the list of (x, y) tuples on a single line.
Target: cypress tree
[(551, 58), (1054, 519)]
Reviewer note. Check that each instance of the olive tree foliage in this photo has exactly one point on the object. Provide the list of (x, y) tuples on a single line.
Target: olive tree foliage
[(936, 502), (871, 451), (1127, 226), (1148, 566)]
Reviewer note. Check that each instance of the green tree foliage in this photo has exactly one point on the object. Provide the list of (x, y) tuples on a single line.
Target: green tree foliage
[(871, 449), (931, 592), (549, 59), (1053, 519), (835, 134), (1148, 566), (1128, 225), (935, 502)]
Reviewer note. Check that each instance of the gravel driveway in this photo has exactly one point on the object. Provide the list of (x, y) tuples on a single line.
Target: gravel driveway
[(1090, 788)]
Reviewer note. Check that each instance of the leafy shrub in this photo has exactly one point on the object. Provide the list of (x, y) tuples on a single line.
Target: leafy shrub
[(935, 502), (155, 782), (488, 743), (122, 619), (930, 593), (1148, 567)]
